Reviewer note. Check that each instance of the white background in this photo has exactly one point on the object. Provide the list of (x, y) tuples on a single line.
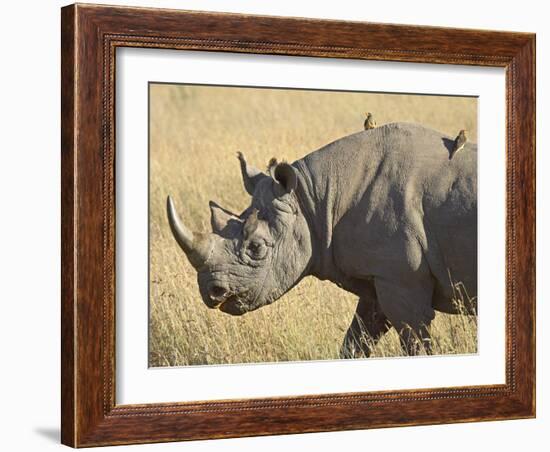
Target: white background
[(29, 382), (137, 384)]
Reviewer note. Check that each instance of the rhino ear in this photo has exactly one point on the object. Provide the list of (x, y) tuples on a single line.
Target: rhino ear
[(219, 217), (285, 175), (251, 175)]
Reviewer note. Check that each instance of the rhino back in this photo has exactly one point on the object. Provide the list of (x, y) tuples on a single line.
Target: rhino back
[(378, 192)]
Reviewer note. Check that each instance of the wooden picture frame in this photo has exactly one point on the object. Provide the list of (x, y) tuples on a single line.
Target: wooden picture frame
[(90, 35)]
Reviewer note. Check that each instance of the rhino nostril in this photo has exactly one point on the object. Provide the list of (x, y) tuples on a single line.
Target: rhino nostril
[(216, 291)]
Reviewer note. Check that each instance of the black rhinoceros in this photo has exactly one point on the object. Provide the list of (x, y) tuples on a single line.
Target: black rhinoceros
[(382, 213)]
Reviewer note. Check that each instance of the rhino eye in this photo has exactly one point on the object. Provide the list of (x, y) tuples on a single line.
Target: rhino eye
[(256, 250)]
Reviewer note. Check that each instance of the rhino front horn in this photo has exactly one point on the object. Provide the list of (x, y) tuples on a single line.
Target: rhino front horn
[(196, 246)]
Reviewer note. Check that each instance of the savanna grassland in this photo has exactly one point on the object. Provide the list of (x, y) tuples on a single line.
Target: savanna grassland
[(195, 133)]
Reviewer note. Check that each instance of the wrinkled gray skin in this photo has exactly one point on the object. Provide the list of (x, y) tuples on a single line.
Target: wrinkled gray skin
[(382, 213)]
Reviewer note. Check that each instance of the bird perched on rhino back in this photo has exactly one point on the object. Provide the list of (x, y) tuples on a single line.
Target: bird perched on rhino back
[(370, 122), (272, 164), (459, 143)]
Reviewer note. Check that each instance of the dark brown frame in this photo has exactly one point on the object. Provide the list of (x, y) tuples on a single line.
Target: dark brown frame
[(90, 34)]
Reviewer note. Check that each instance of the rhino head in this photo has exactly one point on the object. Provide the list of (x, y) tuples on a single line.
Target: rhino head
[(252, 259)]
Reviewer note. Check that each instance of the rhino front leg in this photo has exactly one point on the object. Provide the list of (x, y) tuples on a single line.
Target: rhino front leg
[(367, 327), (407, 303)]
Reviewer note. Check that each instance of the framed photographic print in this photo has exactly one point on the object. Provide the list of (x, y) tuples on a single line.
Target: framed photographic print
[(281, 225)]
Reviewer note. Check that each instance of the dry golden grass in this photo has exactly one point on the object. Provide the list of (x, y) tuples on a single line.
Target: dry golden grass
[(195, 133)]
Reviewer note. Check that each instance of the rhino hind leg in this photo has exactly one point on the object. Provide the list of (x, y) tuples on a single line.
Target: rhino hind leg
[(414, 341), (408, 306), (367, 327)]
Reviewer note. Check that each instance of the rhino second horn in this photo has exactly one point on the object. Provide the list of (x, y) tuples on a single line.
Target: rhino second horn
[(196, 246)]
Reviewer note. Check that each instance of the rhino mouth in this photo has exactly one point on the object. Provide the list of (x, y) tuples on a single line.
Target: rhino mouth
[(233, 305), (218, 294)]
